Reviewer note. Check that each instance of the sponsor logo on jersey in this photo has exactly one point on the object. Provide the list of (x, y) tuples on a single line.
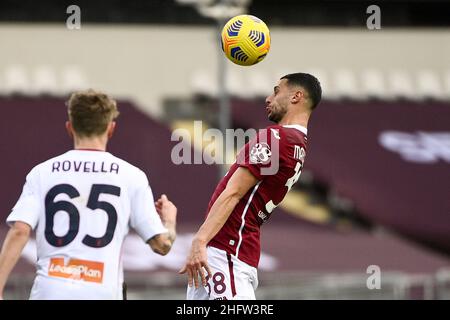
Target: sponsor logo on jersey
[(76, 269), (260, 153), (262, 215)]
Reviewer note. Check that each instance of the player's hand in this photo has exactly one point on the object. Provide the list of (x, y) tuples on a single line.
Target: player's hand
[(196, 263), (166, 210)]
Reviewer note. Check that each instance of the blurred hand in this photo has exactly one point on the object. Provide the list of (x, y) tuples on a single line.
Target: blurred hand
[(166, 210), (196, 263)]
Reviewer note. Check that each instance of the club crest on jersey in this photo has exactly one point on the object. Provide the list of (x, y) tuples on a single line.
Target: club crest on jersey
[(260, 153)]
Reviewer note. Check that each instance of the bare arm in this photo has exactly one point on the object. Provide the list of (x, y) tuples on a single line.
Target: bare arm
[(14, 243), (162, 243), (238, 185)]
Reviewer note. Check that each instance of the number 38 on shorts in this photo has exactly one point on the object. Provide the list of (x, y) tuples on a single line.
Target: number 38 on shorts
[(231, 279)]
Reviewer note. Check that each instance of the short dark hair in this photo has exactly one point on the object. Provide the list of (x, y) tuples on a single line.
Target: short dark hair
[(307, 82), (90, 112)]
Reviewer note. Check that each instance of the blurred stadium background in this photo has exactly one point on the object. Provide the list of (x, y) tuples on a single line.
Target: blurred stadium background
[(376, 185)]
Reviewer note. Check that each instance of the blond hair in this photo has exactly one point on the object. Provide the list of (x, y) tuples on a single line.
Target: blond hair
[(90, 112)]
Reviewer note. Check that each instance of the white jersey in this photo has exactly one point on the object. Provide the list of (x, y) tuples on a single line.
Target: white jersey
[(82, 204)]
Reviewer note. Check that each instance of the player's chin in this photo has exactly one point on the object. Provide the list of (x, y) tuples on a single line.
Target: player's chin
[(272, 117)]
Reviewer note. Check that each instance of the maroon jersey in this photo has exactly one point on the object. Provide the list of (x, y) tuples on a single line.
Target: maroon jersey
[(275, 157)]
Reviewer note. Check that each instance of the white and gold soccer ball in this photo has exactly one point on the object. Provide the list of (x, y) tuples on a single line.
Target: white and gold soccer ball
[(245, 40)]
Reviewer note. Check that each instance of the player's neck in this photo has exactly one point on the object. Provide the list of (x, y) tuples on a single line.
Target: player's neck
[(295, 119), (95, 143)]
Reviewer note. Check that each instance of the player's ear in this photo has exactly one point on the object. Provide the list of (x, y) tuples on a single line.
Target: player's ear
[(69, 129), (111, 128), (297, 96)]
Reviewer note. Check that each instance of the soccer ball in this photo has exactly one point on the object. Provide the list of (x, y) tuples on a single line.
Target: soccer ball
[(245, 40)]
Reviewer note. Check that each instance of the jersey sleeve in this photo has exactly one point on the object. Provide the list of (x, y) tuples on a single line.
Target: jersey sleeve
[(261, 156), (144, 219), (28, 206)]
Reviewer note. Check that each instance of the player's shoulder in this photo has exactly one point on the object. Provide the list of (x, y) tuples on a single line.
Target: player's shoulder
[(288, 134), (43, 166), (272, 131), (130, 168), (293, 130)]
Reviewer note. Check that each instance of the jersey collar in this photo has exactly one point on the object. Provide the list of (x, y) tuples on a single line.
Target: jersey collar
[(298, 127), (87, 149)]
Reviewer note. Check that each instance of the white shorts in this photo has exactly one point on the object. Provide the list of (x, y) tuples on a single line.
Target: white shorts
[(232, 279)]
